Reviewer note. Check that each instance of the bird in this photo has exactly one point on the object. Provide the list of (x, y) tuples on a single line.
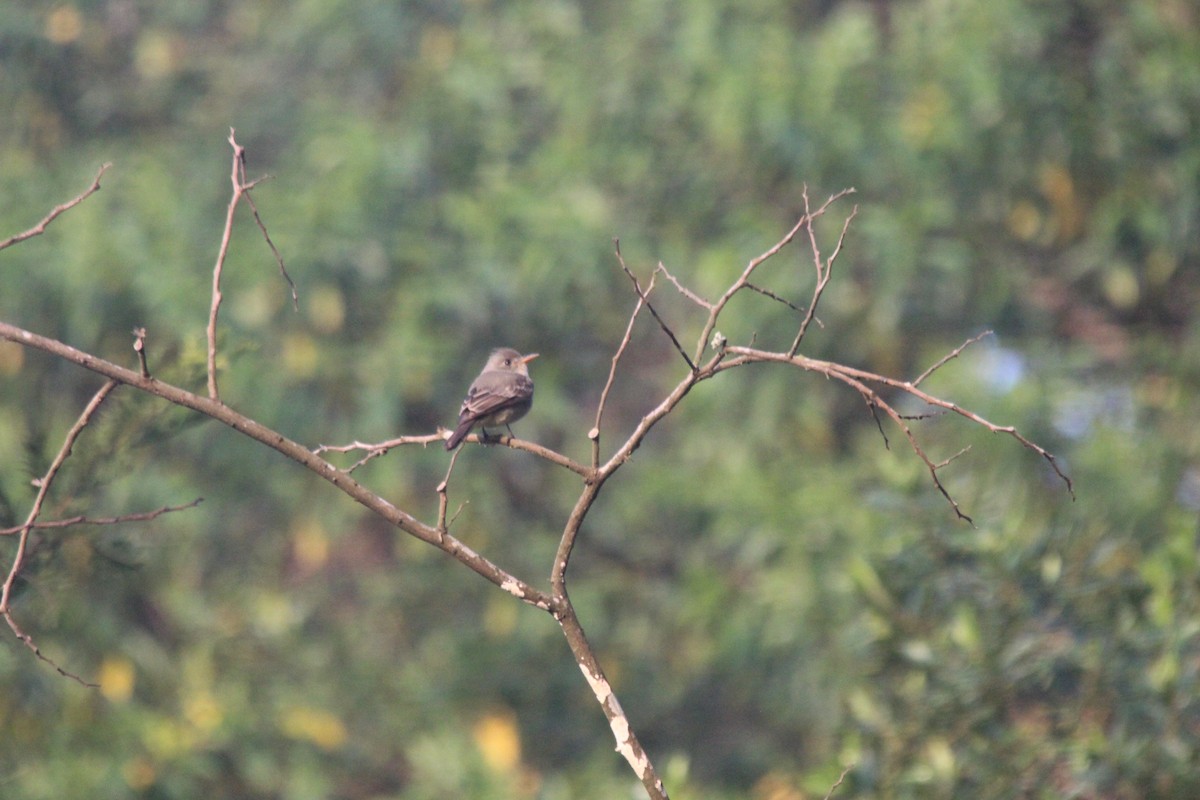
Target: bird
[(502, 394)]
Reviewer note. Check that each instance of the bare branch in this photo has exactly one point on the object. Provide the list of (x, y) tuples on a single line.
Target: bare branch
[(644, 297), (949, 356), (293, 450), (443, 526), (278, 256), (40, 228), (717, 307), (773, 296), (27, 640), (237, 177), (824, 268), (594, 433), (874, 401), (858, 379), (379, 447), (241, 188), (911, 389), (84, 520), (683, 290), (838, 782), (627, 743), (382, 448), (43, 488), (376, 450)]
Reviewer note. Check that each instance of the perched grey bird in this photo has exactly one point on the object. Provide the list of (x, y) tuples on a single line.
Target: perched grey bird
[(503, 393)]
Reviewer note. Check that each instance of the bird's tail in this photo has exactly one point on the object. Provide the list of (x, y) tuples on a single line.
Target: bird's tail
[(459, 434)]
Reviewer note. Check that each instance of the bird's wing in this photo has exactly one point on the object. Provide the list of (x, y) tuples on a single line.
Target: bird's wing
[(483, 402)]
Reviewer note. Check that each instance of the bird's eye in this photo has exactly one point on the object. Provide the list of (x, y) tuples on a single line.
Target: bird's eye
[(508, 362)]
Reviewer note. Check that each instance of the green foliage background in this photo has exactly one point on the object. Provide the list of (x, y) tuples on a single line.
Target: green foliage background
[(775, 594)]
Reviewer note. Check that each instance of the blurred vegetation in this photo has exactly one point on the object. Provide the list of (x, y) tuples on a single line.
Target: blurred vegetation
[(775, 594)]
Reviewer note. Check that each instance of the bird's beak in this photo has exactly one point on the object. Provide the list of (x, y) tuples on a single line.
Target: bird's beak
[(528, 358)]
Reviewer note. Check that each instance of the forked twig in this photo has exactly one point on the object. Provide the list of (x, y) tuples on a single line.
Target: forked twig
[(241, 188), (644, 297), (377, 449), (716, 308), (594, 433), (81, 519), (858, 380), (824, 267), (43, 488)]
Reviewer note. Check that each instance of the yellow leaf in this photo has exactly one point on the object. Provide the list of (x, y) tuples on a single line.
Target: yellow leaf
[(310, 545), (498, 740), (203, 711), (313, 725), (117, 678), (12, 358)]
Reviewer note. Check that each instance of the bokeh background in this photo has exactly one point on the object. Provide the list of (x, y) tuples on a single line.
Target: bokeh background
[(775, 594)]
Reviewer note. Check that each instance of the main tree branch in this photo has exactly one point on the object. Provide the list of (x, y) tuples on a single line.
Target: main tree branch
[(293, 450)]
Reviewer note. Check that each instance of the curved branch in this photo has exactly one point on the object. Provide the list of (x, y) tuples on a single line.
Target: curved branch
[(858, 378), (293, 450)]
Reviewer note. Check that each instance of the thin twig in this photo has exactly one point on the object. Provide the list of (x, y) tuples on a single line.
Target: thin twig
[(278, 257), (875, 401), (382, 447), (644, 296), (84, 520), (683, 290), (773, 296), (376, 450), (241, 188), (442, 525), (237, 178), (949, 356), (887, 445), (740, 283), (594, 433), (40, 228), (824, 270), (858, 379), (43, 488), (838, 782)]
